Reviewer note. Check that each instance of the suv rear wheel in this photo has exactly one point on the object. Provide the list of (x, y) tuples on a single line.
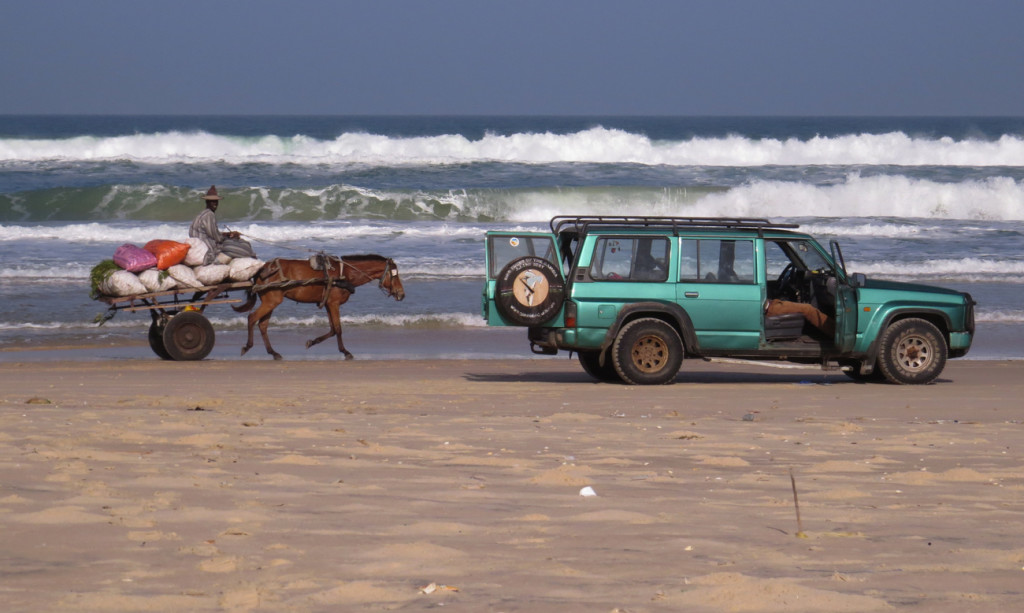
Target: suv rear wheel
[(647, 352), (913, 352)]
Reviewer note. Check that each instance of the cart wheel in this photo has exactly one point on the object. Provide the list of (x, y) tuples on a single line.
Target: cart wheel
[(156, 339), (188, 336)]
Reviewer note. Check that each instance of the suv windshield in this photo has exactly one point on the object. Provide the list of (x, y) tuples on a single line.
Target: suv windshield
[(779, 254)]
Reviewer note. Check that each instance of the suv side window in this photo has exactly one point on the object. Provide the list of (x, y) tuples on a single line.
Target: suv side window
[(630, 259), (716, 261)]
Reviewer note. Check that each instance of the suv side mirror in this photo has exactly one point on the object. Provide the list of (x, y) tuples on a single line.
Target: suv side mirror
[(858, 279)]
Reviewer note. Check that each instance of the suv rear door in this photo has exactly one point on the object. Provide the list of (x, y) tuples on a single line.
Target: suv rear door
[(719, 290), (505, 247)]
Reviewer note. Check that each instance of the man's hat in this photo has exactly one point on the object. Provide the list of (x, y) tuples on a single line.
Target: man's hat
[(211, 194)]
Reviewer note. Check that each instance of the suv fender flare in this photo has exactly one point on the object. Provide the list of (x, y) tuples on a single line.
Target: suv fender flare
[(897, 312), (672, 313)]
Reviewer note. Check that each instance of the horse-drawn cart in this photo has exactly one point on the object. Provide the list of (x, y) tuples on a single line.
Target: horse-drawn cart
[(179, 330)]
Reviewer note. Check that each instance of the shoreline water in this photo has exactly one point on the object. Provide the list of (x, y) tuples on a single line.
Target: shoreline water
[(994, 343)]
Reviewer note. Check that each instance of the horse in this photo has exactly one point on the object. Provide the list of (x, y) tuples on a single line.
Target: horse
[(330, 287)]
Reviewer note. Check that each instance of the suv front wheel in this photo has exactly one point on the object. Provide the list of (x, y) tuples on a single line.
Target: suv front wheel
[(647, 352), (913, 352)]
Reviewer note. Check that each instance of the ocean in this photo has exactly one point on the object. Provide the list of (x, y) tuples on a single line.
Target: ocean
[(931, 200)]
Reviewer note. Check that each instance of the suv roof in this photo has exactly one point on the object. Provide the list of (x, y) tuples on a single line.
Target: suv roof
[(580, 224)]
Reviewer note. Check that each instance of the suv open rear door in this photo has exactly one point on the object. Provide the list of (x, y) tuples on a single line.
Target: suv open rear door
[(525, 283)]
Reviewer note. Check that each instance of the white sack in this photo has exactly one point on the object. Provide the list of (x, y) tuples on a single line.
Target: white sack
[(184, 276), (197, 251), (212, 274), (222, 258), (243, 269), (151, 279), (122, 283)]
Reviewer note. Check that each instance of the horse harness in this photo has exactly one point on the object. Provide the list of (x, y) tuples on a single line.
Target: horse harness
[(320, 261), (389, 272)]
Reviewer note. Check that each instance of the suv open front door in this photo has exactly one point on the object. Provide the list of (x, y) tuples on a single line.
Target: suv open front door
[(525, 284), (846, 302)]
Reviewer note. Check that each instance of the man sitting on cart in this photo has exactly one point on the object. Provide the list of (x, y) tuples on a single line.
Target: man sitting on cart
[(204, 227)]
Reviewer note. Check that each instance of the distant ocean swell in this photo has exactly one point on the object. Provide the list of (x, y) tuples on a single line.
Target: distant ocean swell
[(595, 145), (989, 199)]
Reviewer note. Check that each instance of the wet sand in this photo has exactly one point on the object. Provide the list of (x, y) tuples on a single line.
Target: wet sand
[(229, 485)]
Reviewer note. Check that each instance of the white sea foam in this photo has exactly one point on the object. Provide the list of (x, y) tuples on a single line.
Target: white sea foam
[(966, 269), (886, 196), (870, 229), (93, 232), (1005, 316), (881, 196), (45, 272), (598, 145)]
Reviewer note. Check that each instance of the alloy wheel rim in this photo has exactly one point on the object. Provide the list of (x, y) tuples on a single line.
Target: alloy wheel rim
[(650, 354), (913, 353)]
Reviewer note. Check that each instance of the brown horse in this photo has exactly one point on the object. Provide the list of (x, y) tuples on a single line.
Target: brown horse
[(330, 287)]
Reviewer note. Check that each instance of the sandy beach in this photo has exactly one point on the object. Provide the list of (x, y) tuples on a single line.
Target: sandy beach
[(373, 485)]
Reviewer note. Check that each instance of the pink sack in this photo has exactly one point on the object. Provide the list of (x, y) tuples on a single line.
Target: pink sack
[(134, 259)]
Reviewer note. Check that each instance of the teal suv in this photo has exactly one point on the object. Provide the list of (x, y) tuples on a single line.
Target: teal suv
[(634, 296)]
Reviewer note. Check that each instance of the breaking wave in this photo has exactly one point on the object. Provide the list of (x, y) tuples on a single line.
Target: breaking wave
[(884, 196), (595, 145)]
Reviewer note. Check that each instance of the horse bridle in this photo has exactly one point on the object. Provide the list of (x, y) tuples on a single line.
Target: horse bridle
[(389, 276), (391, 272)]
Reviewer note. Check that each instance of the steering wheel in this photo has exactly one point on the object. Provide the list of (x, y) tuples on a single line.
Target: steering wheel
[(786, 276), (786, 285)]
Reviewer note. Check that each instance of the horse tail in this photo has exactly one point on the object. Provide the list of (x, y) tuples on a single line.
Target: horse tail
[(248, 304), (250, 296)]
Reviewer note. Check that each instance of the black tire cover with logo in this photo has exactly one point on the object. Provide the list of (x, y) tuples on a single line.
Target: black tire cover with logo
[(530, 290)]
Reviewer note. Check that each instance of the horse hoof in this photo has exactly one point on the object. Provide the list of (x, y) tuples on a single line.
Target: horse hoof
[(349, 356), (277, 356), (244, 349), (309, 344)]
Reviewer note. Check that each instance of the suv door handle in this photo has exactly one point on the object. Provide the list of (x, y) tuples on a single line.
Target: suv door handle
[(692, 294)]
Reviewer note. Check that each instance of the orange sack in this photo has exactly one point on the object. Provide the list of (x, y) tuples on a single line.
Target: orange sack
[(168, 253)]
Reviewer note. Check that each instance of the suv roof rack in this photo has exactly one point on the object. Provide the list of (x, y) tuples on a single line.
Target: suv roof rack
[(561, 223)]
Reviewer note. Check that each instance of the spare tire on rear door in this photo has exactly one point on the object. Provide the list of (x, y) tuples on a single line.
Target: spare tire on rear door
[(530, 290)]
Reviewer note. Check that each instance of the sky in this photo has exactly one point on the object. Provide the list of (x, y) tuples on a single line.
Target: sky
[(513, 57)]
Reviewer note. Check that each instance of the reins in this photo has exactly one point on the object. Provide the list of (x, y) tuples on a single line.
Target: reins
[(328, 281), (386, 275)]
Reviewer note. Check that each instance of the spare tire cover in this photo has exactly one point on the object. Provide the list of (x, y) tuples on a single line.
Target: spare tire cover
[(530, 290)]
